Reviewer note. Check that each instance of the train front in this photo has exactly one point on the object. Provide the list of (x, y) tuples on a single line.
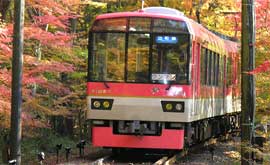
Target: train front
[(139, 91)]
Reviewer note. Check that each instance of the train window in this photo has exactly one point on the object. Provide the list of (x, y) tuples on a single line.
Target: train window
[(169, 26), (213, 71), (140, 24), (229, 72), (138, 57), (139, 54), (203, 66), (114, 24), (217, 70), (108, 57), (221, 70), (170, 59), (209, 67)]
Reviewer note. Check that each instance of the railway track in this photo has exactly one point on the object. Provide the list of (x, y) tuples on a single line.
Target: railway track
[(139, 157), (131, 157), (165, 160), (100, 161)]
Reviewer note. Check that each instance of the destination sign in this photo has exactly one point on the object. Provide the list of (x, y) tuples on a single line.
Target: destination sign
[(166, 39)]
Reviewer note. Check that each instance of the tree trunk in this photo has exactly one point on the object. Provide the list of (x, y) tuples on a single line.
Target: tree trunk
[(198, 11), (80, 124), (248, 92), (69, 123), (161, 2), (6, 149), (16, 98)]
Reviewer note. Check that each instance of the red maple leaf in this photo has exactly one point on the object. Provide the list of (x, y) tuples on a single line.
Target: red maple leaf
[(264, 67)]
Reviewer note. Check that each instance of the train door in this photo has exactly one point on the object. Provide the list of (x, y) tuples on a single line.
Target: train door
[(224, 85), (228, 85), (235, 85), (222, 64)]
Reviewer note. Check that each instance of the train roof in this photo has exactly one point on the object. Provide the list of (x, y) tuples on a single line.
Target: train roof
[(208, 39)]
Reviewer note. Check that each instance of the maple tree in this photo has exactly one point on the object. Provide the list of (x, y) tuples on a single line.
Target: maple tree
[(262, 58), (5, 78), (46, 28)]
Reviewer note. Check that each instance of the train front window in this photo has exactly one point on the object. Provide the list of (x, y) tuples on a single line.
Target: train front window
[(108, 60), (170, 59), (115, 24), (139, 24), (169, 26), (139, 50), (138, 57)]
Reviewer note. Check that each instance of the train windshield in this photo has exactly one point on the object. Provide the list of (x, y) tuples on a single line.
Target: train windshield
[(139, 50), (170, 59)]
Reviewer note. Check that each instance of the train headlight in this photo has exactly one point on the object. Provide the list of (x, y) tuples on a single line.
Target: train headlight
[(173, 106), (96, 104), (101, 104), (106, 104), (178, 107), (169, 107)]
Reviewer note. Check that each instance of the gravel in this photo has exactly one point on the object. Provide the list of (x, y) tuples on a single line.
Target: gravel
[(227, 152)]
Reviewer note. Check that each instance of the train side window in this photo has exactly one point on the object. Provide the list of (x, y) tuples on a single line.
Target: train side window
[(213, 71), (217, 70), (229, 72), (221, 70), (203, 64), (209, 68)]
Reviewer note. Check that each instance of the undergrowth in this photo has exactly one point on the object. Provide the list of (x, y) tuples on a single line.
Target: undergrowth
[(44, 141)]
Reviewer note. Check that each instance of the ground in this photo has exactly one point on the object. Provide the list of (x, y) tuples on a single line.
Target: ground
[(225, 152)]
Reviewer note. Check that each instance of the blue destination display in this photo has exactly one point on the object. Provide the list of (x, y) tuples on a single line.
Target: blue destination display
[(166, 39)]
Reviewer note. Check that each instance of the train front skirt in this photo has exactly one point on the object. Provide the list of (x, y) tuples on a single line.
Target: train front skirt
[(169, 139)]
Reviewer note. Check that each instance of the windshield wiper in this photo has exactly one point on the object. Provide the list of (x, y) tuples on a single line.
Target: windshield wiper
[(106, 84), (168, 87)]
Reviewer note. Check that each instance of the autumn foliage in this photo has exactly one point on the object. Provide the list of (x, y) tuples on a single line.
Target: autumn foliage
[(54, 70), (46, 27), (55, 52)]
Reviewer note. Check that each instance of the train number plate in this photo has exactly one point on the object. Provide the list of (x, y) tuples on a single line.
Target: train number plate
[(170, 77)]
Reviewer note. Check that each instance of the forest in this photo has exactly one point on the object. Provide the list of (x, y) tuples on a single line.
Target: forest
[(55, 62)]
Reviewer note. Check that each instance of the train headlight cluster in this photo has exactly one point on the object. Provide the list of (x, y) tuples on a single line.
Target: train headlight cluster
[(101, 104), (173, 106)]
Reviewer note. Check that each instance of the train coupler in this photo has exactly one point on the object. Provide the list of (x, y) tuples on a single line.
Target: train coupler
[(137, 127)]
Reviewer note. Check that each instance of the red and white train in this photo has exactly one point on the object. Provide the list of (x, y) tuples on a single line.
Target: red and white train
[(159, 80)]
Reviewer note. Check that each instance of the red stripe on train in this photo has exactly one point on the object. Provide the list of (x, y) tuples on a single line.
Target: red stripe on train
[(138, 90), (169, 139)]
